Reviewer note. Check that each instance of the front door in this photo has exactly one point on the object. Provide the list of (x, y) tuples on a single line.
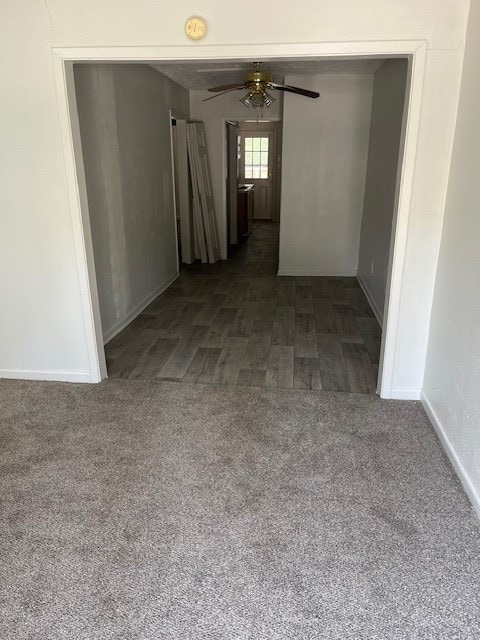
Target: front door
[(257, 157)]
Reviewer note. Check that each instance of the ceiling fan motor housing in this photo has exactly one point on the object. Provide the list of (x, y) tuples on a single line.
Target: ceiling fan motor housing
[(258, 77)]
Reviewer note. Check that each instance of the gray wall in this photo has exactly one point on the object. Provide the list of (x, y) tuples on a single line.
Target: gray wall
[(383, 153), (325, 144), (124, 124), (452, 375)]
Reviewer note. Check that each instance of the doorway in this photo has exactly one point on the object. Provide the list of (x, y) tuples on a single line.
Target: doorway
[(392, 340), (260, 165)]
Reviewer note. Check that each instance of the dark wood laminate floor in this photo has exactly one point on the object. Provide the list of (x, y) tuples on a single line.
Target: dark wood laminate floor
[(237, 323)]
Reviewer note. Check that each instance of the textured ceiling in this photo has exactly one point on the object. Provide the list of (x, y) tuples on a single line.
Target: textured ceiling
[(200, 75)]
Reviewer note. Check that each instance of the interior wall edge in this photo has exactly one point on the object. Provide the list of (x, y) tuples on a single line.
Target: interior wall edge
[(371, 300), (452, 455), (112, 331)]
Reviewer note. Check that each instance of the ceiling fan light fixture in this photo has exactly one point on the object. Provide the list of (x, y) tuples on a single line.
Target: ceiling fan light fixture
[(257, 99), (246, 100), (268, 99)]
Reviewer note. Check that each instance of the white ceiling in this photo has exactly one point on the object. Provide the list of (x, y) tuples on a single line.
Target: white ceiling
[(197, 76)]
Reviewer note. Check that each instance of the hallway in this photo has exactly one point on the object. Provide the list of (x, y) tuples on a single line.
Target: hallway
[(237, 323)]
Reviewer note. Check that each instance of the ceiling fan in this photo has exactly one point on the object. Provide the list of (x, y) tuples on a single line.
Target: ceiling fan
[(256, 83)]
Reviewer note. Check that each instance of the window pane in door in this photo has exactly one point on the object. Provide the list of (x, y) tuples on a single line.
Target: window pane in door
[(256, 158)]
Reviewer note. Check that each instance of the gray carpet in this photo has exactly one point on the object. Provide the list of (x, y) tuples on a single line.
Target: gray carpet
[(146, 510)]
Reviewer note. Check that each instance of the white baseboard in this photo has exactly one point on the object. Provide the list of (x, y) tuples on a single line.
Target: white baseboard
[(133, 313), (470, 490), (52, 376), (371, 302), (331, 273), (405, 394)]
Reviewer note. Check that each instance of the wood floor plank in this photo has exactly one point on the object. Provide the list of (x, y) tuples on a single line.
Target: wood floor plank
[(336, 289), (304, 306), (255, 289), (328, 344), (208, 313), (333, 374), (286, 293), (251, 378), (372, 337), (372, 345), (229, 362), (369, 325), (347, 326), (124, 365), (208, 287), (236, 295), (306, 374), (270, 289), (201, 367), (350, 282), (224, 286), (118, 344), (170, 311), (257, 352), (320, 288), (284, 326), (280, 367), (152, 362), (183, 320), (303, 292), (359, 368), (359, 303), (305, 341), (243, 321), (220, 328), (266, 309), (176, 366), (324, 318)]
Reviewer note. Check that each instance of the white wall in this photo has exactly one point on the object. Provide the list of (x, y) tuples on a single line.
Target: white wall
[(452, 376), (42, 330), (213, 113), (125, 130), (325, 144), (383, 157)]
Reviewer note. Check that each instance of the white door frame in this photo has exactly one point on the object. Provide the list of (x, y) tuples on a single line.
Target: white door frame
[(172, 114), (63, 59)]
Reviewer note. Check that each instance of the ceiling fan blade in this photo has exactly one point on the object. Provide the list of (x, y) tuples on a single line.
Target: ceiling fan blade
[(217, 95), (290, 89), (227, 87)]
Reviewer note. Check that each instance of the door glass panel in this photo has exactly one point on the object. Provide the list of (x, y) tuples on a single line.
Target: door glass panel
[(256, 158)]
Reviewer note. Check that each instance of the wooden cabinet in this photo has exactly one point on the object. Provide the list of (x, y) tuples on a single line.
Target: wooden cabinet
[(245, 197)]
